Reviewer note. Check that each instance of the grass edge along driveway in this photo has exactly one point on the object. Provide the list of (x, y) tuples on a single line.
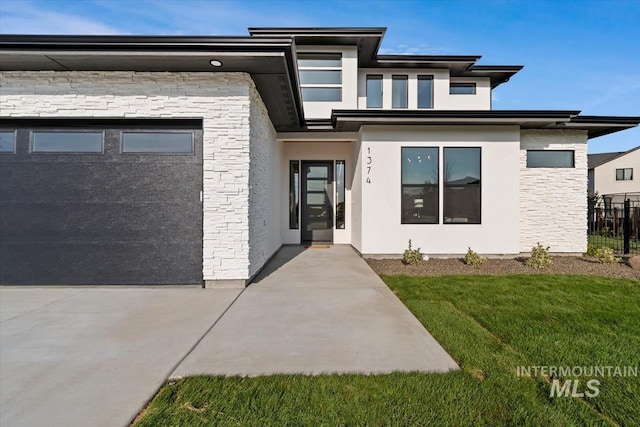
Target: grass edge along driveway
[(490, 326)]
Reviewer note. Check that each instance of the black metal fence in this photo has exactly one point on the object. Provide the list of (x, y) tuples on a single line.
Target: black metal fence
[(615, 226)]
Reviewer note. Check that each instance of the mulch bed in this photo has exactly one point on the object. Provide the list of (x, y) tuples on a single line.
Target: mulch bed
[(453, 266)]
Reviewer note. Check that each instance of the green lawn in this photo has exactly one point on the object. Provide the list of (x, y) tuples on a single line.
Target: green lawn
[(490, 325)]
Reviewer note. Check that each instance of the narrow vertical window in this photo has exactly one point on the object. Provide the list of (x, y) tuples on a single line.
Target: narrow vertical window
[(374, 91), (419, 185), (399, 89), (461, 193), (294, 199), (340, 194), (425, 91)]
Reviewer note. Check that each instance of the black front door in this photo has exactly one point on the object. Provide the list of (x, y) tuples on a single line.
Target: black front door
[(317, 202)]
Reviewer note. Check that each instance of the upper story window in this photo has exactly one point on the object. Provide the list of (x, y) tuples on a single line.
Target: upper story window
[(462, 89), (374, 91), (425, 91), (625, 174), (320, 76), (399, 91)]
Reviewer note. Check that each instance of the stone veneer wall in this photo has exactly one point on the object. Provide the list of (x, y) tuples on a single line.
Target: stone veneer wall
[(553, 201), (224, 102)]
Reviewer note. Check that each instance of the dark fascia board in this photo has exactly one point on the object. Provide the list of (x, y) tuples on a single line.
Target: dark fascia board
[(352, 120), (17, 50), (497, 73), (601, 125), (317, 31)]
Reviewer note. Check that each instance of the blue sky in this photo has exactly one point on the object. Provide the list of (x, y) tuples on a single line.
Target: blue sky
[(582, 55)]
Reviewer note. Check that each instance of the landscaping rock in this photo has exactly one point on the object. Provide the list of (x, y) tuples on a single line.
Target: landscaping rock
[(634, 262)]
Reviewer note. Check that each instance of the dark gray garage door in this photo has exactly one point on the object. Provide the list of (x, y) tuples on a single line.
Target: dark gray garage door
[(95, 202)]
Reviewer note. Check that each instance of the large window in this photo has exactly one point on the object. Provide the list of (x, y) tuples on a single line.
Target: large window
[(625, 174), (419, 185), (7, 141), (157, 142), (66, 142), (550, 158), (374, 91), (462, 89), (399, 94), (461, 193), (425, 91), (294, 196), (320, 76), (340, 194)]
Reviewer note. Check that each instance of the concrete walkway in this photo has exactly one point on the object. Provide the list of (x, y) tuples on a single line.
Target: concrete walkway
[(94, 356), (316, 311)]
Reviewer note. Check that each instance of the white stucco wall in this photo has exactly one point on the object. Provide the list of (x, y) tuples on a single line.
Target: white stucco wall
[(322, 110), (442, 100), (264, 176), (382, 231), (224, 102), (317, 150), (605, 175), (553, 201)]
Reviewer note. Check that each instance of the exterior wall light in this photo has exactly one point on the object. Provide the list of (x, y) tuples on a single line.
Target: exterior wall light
[(215, 63)]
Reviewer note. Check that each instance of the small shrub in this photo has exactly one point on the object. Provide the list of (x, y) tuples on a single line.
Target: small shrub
[(605, 256), (592, 250), (472, 258), (412, 256), (539, 257)]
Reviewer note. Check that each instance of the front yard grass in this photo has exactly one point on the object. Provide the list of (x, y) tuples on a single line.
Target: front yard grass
[(490, 326)]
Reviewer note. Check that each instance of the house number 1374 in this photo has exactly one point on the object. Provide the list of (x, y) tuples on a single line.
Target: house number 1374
[(368, 165)]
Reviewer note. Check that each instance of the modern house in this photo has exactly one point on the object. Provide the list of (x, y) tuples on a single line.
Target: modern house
[(164, 160), (611, 175)]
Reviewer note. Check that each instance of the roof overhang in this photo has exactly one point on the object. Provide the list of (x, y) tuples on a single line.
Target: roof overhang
[(270, 61), (352, 120)]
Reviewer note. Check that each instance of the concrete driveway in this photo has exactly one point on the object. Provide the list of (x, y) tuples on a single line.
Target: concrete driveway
[(95, 356)]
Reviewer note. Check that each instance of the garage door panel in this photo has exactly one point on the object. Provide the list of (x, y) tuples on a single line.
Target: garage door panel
[(111, 218), (99, 182), (106, 222), (99, 263)]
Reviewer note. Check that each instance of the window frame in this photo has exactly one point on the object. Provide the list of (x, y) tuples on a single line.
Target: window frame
[(155, 153), (344, 194), (623, 170), (320, 86), (405, 78), (436, 186), (472, 85), (294, 214), (15, 141), (479, 185), (419, 78), (377, 77), (35, 130), (573, 159)]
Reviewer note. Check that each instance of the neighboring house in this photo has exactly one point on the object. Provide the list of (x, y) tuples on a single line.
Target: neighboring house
[(613, 175), (163, 160)]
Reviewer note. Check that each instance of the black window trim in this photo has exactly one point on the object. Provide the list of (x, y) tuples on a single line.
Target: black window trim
[(473, 85), (479, 185), (374, 77), (15, 140), (34, 130), (297, 190), (155, 153), (344, 192), (424, 77), (437, 186), (573, 160), (404, 77)]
